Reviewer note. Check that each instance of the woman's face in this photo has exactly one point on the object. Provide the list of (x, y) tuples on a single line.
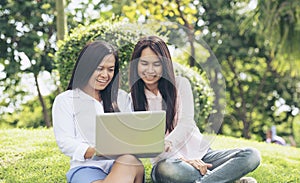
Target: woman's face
[(102, 76), (150, 68)]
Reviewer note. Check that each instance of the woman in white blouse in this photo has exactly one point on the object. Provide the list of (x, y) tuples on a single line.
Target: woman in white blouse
[(92, 90), (187, 157)]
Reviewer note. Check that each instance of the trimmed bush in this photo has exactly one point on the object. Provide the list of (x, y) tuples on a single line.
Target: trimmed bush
[(124, 36)]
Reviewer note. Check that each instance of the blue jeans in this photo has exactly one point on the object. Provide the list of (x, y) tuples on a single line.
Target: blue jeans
[(85, 174), (228, 166)]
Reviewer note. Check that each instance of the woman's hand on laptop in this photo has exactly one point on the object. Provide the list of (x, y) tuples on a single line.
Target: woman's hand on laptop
[(89, 153), (168, 146)]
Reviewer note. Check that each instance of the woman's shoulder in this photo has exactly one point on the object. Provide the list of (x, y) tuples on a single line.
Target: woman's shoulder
[(181, 81), (123, 95), (63, 99), (124, 101), (180, 78), (65, 96), (122, 92)]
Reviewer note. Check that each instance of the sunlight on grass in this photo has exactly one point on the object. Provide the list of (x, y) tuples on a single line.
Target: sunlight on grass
[(33, 156), (280, 164)]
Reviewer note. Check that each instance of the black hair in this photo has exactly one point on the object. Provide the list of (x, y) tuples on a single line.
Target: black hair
[(166, 84), (87, 62)]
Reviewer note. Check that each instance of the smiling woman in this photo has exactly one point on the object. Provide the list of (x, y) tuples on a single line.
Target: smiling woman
[(124, 35), (92, 90), (101, 77), (187, 156), (150, 69)]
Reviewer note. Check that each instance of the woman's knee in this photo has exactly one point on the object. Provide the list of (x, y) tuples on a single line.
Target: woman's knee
[(171, 170), (253, 157), (128, 159), (131, 163)]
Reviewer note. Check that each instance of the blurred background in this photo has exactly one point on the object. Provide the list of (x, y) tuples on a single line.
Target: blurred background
[(255, 44)]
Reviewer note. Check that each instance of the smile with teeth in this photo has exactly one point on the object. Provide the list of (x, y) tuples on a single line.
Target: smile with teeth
[(149, 76), (102, 81)]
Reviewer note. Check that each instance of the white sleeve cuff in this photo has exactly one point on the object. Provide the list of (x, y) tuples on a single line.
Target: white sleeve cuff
[(80, 152)]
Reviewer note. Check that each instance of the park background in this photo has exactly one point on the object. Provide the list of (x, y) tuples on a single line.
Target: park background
[(255, 45)]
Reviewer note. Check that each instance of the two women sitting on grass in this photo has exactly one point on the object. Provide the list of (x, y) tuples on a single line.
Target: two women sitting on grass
[(93, 89)]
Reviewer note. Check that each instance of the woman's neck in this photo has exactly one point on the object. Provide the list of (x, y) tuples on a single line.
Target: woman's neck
[(153, 88), (93, 93)]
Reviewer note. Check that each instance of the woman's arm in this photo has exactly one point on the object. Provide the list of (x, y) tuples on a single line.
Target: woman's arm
[(186, 126), (64, 129)]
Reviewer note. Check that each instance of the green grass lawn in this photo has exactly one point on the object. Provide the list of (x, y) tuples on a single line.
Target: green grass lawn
[(31, 156)]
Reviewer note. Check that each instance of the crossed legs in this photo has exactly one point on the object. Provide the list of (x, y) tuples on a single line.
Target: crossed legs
[(228, 165)]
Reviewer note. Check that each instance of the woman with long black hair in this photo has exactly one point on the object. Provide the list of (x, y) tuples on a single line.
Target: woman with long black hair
[(92, 90), (187, 157)]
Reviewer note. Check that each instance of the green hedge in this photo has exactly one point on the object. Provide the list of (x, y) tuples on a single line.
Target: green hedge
[(124, 35)]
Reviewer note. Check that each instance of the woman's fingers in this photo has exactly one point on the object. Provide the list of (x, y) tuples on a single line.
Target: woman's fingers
[(168, 146), (199, 165)]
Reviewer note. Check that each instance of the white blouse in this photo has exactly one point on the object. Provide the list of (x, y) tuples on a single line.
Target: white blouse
[(74, 120), (186, 139)]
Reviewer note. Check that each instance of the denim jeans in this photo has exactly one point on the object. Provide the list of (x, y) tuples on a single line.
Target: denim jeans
[(228, 166)]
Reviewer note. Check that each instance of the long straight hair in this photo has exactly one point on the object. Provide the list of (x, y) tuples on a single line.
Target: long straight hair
[(87, 62), (166, 83)]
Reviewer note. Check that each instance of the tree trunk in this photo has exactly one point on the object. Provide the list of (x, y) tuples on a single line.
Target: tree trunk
[(190, 33), (41, 99), (192, 56), (217, 117), (61, 22), (242, 112), (246, 129)]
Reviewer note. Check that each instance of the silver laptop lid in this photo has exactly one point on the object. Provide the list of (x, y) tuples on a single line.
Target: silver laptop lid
[(138, 133)]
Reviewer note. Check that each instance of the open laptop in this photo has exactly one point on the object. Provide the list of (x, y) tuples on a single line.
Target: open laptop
[(137, 133)]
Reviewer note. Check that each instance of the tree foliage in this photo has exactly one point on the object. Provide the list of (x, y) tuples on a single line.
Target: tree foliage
[(124, 36), (256, 47), (278, 29), (251, 81), (28, 36), (29, 115)]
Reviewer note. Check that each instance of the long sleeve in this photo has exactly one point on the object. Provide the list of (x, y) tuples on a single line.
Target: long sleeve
[(65, 130), (185, 124), (186, 139), (74, 123)]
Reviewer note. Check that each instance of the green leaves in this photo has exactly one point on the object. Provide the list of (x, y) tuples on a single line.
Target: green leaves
[(124, 36), (278, 23)]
